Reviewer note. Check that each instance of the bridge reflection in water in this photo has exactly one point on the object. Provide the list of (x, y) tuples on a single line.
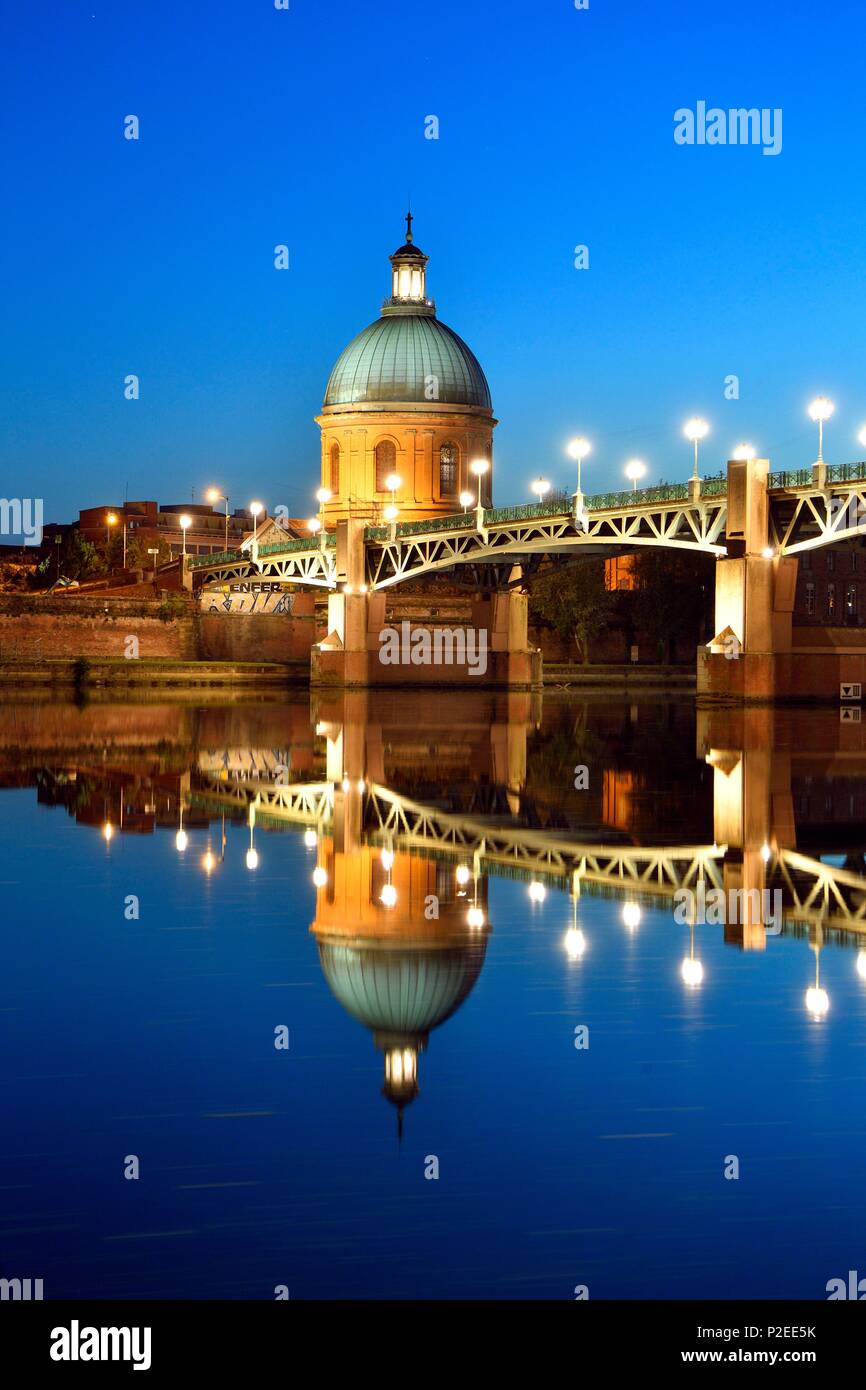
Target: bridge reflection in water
[(409, 806)]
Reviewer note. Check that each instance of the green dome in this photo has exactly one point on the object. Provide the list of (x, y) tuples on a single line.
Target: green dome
[(401, 991), (390, 363)]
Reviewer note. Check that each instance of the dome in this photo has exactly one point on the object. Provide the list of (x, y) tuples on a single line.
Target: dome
[(401, 991), (391, 361)]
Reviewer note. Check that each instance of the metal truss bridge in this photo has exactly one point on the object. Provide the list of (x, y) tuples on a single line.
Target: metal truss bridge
[(807, 509)]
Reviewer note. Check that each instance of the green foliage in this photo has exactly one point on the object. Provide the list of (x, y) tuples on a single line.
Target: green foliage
[(137, 557), (173, 606), (672, 594), (574, 601)]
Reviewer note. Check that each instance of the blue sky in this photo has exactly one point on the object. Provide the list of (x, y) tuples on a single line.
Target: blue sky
[(306, 127)]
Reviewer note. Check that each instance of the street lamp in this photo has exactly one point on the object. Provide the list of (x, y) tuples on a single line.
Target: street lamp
[(323, 496), (696, 429), (478, 467), (635, 470), (541, 487), (744, 453), (213, 494), (578, 450), (861, 438), (256, 509), (392, 483), (820, 410), (110, 520), (185, 523), (466, 499)]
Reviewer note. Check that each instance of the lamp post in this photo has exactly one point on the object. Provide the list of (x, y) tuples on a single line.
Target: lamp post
[(110, 520), (695, 430), (820, 410), (154, 551), (635, 469), (185, 523), (744, 453), (392, 483), (478, 468), (466, 499), (541, 487), (213, 494), (578, 449)]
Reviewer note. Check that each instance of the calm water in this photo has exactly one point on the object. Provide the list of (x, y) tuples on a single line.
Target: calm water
[(472, 909)]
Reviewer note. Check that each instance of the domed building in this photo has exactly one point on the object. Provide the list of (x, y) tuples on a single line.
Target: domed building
[(407, 399)]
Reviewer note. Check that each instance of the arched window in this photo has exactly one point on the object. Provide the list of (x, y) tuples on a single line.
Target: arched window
[(386, 462), (448, 457), (335, 469)]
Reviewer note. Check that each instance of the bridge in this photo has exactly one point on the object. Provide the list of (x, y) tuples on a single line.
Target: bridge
[(753, 521)]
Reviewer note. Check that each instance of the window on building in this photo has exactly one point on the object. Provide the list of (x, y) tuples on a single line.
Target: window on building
[(806, 560), (448, 470), (831, 601), (386, 462), (334, 483), (831, 561), (810, 599), (851, 600)]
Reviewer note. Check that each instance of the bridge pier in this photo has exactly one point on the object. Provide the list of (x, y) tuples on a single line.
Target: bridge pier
[(372, 642), (754, 597)]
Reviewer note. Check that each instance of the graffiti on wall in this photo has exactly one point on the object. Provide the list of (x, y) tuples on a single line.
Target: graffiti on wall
[(246, 597)]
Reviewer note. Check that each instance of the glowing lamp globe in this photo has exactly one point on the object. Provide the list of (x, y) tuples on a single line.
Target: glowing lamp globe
[(820, 409)]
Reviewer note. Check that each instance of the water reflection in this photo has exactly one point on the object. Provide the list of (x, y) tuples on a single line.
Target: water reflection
[(409, 815)]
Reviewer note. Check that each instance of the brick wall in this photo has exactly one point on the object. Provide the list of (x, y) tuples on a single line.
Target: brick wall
[(34, 629)]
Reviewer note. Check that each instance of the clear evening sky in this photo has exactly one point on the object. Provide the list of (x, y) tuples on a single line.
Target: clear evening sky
[(306, 127)]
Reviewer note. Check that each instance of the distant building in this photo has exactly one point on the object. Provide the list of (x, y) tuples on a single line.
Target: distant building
[(152, 522), (831, 586)]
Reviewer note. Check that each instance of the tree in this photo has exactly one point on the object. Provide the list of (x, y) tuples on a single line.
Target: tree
[(574, 601), (137, 557), (672, 595)]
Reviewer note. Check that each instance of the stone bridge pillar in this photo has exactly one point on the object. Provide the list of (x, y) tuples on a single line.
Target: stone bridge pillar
[(754, 596)]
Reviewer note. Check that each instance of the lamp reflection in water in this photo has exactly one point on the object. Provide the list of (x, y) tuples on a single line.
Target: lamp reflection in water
[(252, 855), (817, 999), (181, 839), (537, 892), (631, 916), (692, 969), (861, 964), (575, 942)]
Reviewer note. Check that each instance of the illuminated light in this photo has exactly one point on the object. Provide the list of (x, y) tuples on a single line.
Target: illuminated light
[(311, 839), (578, 449), (252, 859), (213, 494), (631, 916), (362, 786), (861, 437), (387, 858), (185, 521), (692, 972), (107, 831), (817, 1001), (362, 588), (696, 429), (320, 876), (323, 495), (635, 469), (347, 588), (478, 467), (401, 1067), (743, 453), (820, 409), (768, 552), (466, 499), (861, 964), (208, 862), (388, 895), (391, 512), (541, 487), (346, 784), (181, 840), (462, 875), (475, 917), (537, 892), (393, 482), (314, 524), (766, 853), (575, 943), (256, 509)]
